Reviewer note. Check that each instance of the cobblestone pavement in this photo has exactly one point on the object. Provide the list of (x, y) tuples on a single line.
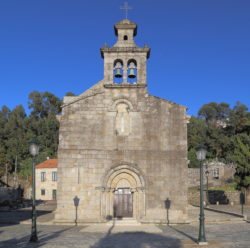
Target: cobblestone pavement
[(45, 214), (228, 235), (232, 232), (212, 216), (237, 209)]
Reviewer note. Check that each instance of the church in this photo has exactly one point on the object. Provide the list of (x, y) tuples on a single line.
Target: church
[(122, 152)]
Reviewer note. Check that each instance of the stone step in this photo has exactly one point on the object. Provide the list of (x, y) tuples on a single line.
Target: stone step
[(104, 228), (123, 222)]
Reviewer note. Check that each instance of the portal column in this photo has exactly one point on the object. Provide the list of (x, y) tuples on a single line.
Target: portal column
[(142, 203)]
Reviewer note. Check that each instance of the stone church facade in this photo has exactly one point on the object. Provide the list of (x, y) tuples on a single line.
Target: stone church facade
[(122, 152)]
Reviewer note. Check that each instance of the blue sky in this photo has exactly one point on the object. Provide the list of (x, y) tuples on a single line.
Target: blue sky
[(200, 49)]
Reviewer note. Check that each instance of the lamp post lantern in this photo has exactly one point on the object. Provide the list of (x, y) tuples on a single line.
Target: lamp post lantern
[(201, 155), (34, 150)]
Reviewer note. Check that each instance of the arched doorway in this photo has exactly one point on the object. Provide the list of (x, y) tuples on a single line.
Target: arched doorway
[(124, 194), (123, 203)]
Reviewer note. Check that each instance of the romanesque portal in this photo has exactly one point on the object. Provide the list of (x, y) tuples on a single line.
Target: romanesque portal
[(124, 194)]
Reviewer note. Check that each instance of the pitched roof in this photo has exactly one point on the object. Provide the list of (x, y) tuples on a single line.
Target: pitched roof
[(50, 163)]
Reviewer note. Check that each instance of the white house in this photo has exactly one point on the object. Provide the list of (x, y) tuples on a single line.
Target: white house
[(46, 180)]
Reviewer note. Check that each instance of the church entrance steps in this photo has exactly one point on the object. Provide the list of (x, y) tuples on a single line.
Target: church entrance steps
[(123, 222), (104, 228)]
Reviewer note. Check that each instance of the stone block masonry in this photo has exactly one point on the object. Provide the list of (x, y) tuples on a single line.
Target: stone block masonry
[(122, 152)]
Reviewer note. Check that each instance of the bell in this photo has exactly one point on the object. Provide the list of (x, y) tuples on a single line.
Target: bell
[(118, 73), (131, 73)]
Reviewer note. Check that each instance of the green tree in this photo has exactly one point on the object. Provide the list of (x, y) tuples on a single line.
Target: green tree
[(15, 131), (196, 136), (241, 156), (208, 112), (217, 142), (43, 104), (193, 162), (70, 94), (215, 114), (43, 123), (4, 116), (240, 119)]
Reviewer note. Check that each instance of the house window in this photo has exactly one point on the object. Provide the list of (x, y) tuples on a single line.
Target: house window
[(42, 191), (216, 173), (54, 176), (43, 176)]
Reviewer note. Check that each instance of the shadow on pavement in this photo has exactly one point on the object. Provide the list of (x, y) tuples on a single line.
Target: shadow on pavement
[(44, 211), (183, 233), (24, 241), (137, 240), (15, 217)]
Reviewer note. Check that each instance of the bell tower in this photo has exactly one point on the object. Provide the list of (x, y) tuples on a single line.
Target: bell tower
[(125, 62)]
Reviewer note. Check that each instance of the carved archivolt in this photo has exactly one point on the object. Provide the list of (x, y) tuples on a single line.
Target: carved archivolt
[(124, 172), (125, 175)]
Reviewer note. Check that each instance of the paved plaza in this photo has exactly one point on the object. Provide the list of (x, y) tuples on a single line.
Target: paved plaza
[(180, 236), (45, 214), (222, 230)]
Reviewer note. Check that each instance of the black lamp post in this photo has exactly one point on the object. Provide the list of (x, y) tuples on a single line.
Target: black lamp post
[(201, 155), (76, 203), (34, 150), (207, 174)]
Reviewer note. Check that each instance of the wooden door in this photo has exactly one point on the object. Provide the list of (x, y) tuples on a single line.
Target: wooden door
[(123, 203)]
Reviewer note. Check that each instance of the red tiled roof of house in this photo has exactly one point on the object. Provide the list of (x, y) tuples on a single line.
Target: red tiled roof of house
[(50, 163)]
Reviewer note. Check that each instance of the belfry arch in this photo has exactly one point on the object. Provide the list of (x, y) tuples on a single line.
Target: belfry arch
[(127, 180)]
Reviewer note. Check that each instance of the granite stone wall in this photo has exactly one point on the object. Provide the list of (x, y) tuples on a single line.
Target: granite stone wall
[(89, 147), (117, 135), (222, 197)]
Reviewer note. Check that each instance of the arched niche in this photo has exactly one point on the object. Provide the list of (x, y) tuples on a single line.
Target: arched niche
[(122, 120), (113, 107)]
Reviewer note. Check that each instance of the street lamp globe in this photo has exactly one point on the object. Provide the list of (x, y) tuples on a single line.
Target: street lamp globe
[(34, 148), (201, 154)]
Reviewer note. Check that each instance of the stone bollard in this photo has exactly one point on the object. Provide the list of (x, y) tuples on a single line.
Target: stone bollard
[(217, 203), (232, 203)]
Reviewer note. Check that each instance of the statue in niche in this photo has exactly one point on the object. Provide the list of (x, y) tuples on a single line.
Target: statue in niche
[(122, 121)]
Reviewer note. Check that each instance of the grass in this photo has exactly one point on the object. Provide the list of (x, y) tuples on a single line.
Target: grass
[(226, 187)]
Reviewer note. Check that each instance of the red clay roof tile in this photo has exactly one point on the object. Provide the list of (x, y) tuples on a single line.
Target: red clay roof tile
[(50, 163)]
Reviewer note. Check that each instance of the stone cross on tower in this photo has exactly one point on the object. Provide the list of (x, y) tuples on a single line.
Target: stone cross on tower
[(126, 8)]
